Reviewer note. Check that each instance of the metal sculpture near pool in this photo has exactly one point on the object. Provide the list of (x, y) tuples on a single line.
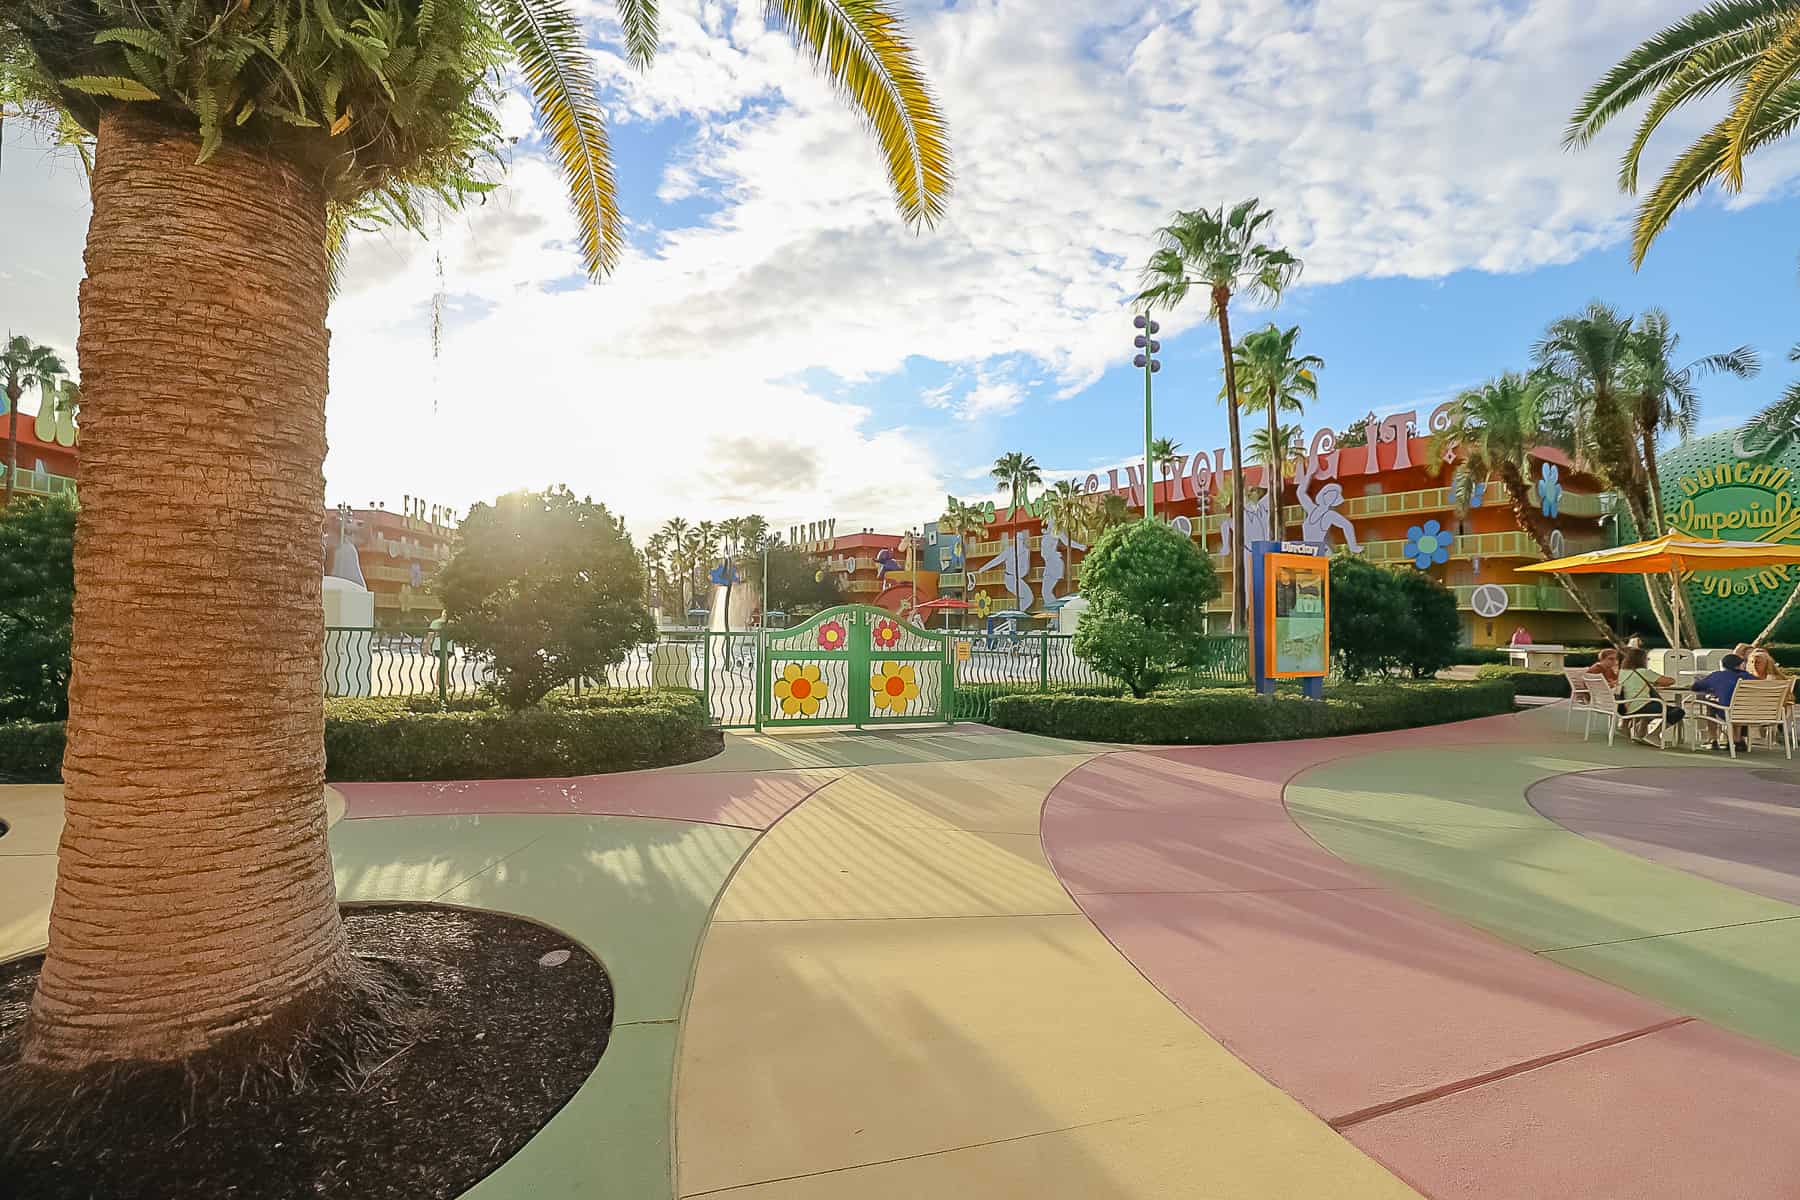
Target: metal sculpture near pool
[(855, 665)]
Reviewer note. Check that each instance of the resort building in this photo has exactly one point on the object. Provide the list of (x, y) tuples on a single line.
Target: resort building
[(46, 467), (400, 554), (1384, 498)]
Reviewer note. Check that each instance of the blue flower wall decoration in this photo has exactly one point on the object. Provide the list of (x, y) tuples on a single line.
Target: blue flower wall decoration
[(1550, 490), (1428, 544)]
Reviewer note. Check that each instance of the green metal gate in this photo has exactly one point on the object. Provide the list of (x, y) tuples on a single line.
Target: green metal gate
[(854, 665)]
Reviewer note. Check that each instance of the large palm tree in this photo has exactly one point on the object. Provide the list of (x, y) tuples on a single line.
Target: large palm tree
[(1223, 251), (235, 143), (1492, 430), (1275, 380), (1017, 473), (24, 364), (1072, 509), (962, 519), (1778, 424), (1751, 47), (1166, 454), (1663, 396)]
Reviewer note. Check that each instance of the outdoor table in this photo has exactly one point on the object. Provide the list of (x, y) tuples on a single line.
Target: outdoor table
[(1537, 658)]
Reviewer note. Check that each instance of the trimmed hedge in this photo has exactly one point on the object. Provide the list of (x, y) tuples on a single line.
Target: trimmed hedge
[(1476, 656), (1532, 683), (1218, 717), (405, 739), (31, 753), (587, 735)]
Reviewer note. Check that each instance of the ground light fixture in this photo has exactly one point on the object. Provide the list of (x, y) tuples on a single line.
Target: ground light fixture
[(1147, 346)]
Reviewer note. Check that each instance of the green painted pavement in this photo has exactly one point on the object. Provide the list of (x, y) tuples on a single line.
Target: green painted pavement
[(1452, 826), (637, 893), (611, 1139), (877, 748)]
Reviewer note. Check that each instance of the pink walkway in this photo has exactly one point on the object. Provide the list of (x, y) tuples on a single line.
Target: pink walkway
[(1466, 1065)]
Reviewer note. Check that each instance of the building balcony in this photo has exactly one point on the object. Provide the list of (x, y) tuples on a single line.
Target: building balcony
[(950, 579), (30, 483), (863, 587), (1535, 597)]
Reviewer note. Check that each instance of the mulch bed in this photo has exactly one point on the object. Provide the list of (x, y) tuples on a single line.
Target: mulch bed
[(504, 1044)]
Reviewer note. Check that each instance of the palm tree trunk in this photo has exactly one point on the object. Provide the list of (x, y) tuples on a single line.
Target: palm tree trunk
[(194, 895), (1682, 613), (1530, 520), (1272, 472), (1239, 585), (13, 392)]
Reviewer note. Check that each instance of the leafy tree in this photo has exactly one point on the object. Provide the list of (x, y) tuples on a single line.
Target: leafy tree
[(1147, 587), (1494, 428), (547, 584), (1369, 617), (1745, 45), (37, 602), (1223, 252), (24, 364), (1274, 380), (1433, 628), (796, 585), (1287, 449)]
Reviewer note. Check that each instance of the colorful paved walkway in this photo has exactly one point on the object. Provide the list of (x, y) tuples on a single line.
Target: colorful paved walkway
[(1483, 960)]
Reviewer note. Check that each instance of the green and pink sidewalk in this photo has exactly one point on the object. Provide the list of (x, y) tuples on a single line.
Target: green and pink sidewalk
[(1481, 960)]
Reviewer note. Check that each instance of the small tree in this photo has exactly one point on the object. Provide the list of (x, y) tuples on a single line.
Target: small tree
[(1370, 619), (796, 585), (1433, 626), (550, 586), (37, 603), (1147, 588)]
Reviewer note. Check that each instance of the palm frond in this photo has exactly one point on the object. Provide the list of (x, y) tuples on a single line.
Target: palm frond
[(1773, 71), (863, 50), (1775, 426), (1697, 78), (547, 41), (639, 21), (1658, 60)]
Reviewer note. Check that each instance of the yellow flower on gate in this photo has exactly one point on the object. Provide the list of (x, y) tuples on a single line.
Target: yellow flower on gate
[(895, 687), (799, 689)]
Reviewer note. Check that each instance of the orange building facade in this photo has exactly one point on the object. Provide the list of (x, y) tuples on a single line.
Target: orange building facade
[(46, 468)]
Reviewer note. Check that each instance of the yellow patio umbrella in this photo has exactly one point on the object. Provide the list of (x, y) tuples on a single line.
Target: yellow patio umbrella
[(1674, 553)]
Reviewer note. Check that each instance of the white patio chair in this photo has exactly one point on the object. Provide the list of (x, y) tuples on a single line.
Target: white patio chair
[(1580, 699), (1755, 704), (1603, 702)]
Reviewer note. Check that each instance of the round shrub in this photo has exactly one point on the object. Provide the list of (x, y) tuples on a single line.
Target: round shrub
[(1147, 586)]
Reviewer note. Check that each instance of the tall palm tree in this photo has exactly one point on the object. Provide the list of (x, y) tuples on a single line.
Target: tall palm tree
[(24, 364), (235, 144), (675, 532), (1223, 252), (1276, 380), (1662, 395), (1072, 509), (1166, 454), (1493, 430), (962, 520), (1749, 46), (1017, 472)]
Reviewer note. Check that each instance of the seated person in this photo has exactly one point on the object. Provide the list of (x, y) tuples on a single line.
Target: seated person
[(1606, 665), (1719, 688), (1764, 666), (1638, 699)]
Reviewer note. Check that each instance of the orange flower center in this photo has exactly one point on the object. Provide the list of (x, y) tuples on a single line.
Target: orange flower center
[(800, 689), (896, 686)]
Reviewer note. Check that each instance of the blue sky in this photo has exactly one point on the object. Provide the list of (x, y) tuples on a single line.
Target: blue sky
[(777, 341)]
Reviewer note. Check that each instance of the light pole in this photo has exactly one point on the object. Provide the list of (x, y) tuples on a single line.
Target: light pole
[(1147, 346)]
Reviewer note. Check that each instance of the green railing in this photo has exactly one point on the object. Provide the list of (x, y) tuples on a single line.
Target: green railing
[(725, 668), (1008, 665)]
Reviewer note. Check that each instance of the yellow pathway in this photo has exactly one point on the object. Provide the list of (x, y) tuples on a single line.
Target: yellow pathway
[(897, 999)]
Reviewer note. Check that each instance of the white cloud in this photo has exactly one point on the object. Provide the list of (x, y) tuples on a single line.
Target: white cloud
[(1393, 137)]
